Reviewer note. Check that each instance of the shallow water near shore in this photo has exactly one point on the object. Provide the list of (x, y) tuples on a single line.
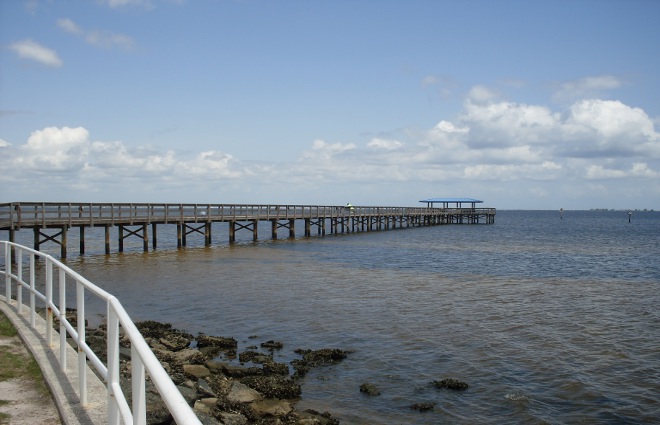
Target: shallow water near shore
[(547, 319)]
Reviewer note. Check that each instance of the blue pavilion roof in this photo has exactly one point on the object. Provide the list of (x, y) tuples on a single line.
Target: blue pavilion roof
[(452, 201)]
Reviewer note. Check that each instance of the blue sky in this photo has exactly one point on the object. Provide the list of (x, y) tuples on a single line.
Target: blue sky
[(523, 104)]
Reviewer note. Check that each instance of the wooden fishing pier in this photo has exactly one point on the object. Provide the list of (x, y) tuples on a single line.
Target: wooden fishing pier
[(51, 221)]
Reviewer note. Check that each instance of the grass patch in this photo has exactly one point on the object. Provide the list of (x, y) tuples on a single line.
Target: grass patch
[(4, 418), (6, 328), (14, 363)]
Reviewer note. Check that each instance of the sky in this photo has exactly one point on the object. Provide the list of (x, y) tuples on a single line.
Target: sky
[(521, 104)]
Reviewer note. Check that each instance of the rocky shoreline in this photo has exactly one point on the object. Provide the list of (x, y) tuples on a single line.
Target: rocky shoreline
[(245, 388), (222, 392)]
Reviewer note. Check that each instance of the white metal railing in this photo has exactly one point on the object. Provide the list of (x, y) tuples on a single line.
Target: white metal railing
[(18, 257)]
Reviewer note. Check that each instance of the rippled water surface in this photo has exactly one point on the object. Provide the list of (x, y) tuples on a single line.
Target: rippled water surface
[(547, 320)]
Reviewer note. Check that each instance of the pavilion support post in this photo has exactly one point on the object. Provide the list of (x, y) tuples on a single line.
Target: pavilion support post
[(179, 232), (308, 230), (255, 236), (292, 228), (154, 235)]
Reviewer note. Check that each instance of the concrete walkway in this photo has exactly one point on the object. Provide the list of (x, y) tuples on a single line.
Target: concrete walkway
[(63, 387)]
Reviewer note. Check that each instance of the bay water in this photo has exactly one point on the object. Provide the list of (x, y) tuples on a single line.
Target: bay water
[(548, 318)]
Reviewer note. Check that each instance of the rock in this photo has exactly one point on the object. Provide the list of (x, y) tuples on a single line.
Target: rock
[(422, 407), (174, 342), (233, 418), (157, 411), (233, 371), (196, 370), (157, 330), (272, 345), (369, 389), (188, 355), (204, 389), (271, 407), (209, 401), (201, 407), (189, 394), (206, 418), (215, 341), (323, 356), (241, 393), (252, 356), (313, 417), (273, 368), (314, 358), (215, 366), (210, 352), (451, 384), (274, 386)]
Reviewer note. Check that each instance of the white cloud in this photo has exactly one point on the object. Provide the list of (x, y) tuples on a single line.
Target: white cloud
[(109, 39), (4, 143), (54, 149), (28, 49), (382, 144), (598, 172), (589, 87), (69, 26), (106, 39), (120, 3), (481, 94), (448, 127)]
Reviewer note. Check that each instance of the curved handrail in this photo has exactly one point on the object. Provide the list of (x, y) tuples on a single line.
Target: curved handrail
[(142, 358)]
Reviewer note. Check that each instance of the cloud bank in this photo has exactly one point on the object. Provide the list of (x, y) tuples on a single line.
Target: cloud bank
[(502, 145)]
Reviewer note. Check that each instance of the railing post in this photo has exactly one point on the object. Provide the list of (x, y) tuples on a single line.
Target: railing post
[(138, 377), (19, 286), (63, 332), (49, 302), (33, 305), (7, 273), (113, 365), (82, 358)]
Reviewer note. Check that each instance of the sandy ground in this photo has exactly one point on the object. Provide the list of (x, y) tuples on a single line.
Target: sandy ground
[(22, 400)]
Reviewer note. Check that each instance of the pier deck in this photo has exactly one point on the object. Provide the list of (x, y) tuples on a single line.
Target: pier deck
[(133, 219)]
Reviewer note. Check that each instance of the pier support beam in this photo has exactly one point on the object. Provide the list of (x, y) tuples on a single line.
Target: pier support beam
[(82, 240), (144, 236), (38, 234), (107, 239), (251, 225)]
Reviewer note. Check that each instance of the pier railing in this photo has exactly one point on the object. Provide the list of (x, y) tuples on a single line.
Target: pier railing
[(17, 260), (15, 215)]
